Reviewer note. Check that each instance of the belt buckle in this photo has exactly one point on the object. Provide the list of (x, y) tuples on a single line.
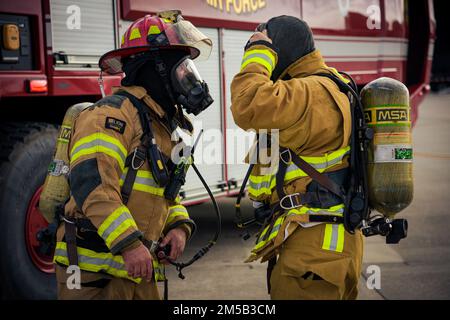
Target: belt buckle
[(290, 197)]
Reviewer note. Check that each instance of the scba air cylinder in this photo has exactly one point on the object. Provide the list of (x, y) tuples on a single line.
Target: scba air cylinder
[(390, 165), (56, 189)]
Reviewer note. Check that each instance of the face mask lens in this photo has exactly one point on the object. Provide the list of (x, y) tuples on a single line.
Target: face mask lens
[(187, 76)]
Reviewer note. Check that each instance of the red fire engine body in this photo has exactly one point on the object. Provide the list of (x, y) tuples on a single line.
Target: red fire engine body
[(54, 65)]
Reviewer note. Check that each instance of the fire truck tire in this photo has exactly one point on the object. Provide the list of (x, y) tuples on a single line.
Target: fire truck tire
[(25, 151)]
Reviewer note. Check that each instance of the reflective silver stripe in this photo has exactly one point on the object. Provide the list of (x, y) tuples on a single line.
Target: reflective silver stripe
[(324, 212), (261, 185), (99, 142), (145, 181), (293, 167), (116, 223), (258, 55), (177, 209), (91, 260), (318, 166), (275, 229), (334, 237)]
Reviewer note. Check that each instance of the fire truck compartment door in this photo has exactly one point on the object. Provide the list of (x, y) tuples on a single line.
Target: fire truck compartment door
[(209, 151), (238, 141), (82, 29)]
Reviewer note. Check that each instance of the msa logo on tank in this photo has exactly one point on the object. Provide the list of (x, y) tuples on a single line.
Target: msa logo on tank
[(396, 146), (388, 115)]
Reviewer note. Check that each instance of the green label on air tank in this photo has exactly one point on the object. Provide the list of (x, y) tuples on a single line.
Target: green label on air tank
[(403, 153), (392, 153)]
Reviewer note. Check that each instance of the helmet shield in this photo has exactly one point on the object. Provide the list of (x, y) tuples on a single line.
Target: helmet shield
[(184, 33)]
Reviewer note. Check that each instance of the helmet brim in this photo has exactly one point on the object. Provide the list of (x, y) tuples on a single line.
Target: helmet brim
[(111, 62)]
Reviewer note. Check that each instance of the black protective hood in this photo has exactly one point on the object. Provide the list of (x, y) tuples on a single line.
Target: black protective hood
[(141, 71), (292, 37)]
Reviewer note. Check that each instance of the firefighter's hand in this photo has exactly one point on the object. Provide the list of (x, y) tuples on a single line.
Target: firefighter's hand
[(176, 238), (138, 262), (257, 36)]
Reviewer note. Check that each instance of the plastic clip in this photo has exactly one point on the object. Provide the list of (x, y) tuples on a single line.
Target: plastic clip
[(139, 155)]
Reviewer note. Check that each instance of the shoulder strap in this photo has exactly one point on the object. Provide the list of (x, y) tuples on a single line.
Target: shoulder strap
[(143, 112), (148, 150), (320, 178), (286, 156), (356, 198), (357, 208)]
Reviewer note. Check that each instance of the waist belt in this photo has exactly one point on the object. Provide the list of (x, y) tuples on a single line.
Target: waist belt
[(325, 191), (316, 196)]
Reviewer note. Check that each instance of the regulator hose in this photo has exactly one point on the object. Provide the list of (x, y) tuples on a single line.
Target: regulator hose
[(240, 222), (200, 253)]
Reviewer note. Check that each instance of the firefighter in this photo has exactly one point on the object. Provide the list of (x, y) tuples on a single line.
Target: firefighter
[(278, 88), (120, 153)]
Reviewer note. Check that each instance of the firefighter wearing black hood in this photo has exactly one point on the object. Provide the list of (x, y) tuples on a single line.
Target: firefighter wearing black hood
[(278, 87), (118, 217)]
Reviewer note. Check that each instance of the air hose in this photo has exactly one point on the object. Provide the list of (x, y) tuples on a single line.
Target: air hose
[(240, 222), (200, 253)]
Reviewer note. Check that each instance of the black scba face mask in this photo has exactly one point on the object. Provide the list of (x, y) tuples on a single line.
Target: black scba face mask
[(193, 92)]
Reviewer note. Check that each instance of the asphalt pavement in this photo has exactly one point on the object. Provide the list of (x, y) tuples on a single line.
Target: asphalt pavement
[(416, 268)]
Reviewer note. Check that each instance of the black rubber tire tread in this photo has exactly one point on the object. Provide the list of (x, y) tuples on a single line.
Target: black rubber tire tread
[(26, 149)]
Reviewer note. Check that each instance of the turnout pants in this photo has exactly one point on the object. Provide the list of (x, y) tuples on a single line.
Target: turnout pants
[(96, 287), (309, 268)]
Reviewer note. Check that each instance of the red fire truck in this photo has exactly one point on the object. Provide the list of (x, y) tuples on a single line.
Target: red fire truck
[(49, 51)]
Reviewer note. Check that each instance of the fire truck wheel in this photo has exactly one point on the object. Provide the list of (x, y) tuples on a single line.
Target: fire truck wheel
[(25, 152)]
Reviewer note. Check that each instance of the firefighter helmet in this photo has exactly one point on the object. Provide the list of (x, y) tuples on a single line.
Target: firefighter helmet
[(164, 31)]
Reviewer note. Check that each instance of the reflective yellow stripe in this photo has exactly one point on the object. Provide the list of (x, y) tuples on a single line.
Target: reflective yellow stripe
[(337, 210), (159, 271), (321, 164), (260, 51), (99, 143), (175, 212), (116, 224), (144, 182), (135, 34), (334, 237), (273, 233), (92, 261), (259, 185), (261, 56)]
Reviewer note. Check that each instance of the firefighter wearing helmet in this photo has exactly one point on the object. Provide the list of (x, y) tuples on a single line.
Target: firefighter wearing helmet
[(118, 216), (283, 85)]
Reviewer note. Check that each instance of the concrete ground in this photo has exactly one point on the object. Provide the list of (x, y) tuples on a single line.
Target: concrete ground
[(417, 268)]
